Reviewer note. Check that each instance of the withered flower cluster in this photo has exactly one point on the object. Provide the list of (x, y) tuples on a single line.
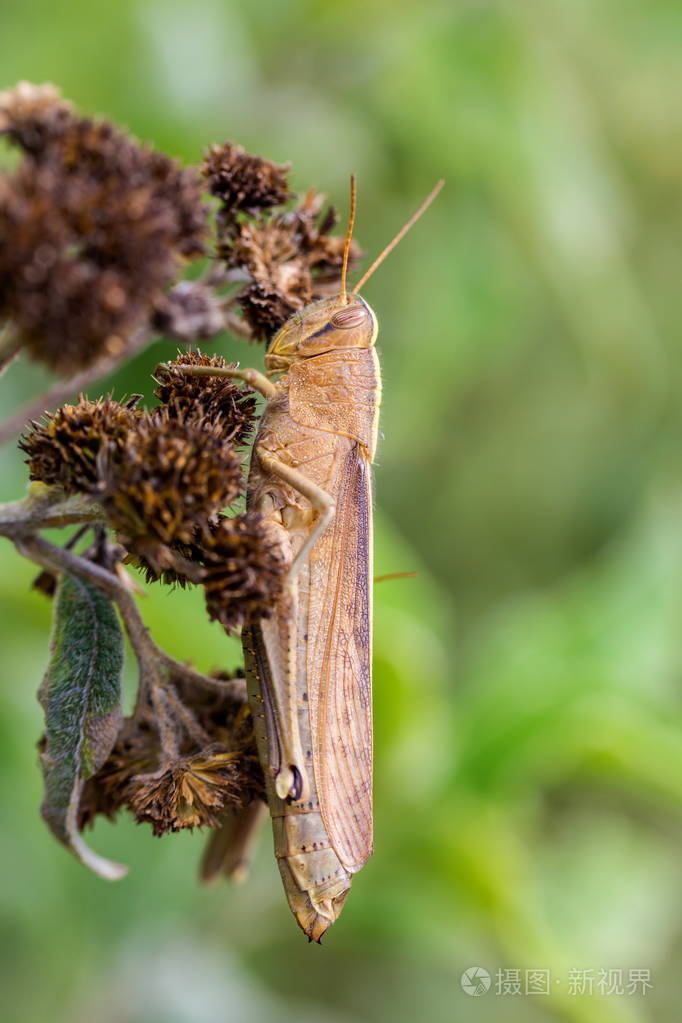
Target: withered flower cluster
[(93, 225), (215, 770), (284, 259), (163, 477)]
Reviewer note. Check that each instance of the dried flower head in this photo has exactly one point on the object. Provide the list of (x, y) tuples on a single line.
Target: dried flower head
[(174, 476), (32, 115), (244, 570), (68, 448), (196, 786), (160, 477), (231, 407), (188, 312), (98, 225), (242, 181), (261, 247), (266, 309), (191, 792)]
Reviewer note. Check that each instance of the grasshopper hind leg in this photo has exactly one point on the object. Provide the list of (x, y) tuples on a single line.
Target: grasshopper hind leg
[(275, 662), (320, 500)]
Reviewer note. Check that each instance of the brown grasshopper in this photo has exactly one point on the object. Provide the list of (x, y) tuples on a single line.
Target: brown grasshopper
[(308, 667)]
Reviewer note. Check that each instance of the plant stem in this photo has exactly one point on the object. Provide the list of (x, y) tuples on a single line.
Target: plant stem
[(11, 342), (163, 723), (153, 661), (187, 718), (46, 510), (236, 325)]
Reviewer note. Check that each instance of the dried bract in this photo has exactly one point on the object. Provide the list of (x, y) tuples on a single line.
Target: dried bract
[(322, 251), (191, 792)]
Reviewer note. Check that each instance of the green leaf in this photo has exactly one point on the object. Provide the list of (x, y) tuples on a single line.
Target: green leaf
[(81, 697)]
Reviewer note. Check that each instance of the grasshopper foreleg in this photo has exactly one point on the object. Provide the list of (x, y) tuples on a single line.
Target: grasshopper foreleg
[(319, 499), (252, 377)]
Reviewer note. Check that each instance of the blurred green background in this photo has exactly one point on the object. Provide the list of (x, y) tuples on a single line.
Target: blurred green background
[(528, 712)]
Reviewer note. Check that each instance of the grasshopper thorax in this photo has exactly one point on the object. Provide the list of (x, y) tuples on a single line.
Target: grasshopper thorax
[(326, 326)]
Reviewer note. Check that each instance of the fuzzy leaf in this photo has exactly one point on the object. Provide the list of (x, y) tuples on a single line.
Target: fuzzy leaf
[(81, 697)]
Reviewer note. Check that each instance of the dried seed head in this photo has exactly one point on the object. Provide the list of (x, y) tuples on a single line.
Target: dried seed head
[(174, 476), (98, 225), (66, 450), (242, 181), (244, 570), (231, 407)]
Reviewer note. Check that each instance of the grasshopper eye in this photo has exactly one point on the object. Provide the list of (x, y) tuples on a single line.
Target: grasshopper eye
[(351, 316)]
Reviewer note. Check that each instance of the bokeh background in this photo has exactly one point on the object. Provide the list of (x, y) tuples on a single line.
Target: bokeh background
[(528, 681)]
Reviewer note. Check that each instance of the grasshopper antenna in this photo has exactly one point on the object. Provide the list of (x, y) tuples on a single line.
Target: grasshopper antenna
[(349, 235), (400, 235)]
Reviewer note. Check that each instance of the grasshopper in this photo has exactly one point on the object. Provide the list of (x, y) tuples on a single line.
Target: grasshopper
[(308, 667)]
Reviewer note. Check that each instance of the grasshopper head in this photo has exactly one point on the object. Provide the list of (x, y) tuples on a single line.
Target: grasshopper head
[(343, 321), (325, 326)]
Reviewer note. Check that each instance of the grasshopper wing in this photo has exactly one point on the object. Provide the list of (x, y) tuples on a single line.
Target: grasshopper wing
[(339, 664)]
